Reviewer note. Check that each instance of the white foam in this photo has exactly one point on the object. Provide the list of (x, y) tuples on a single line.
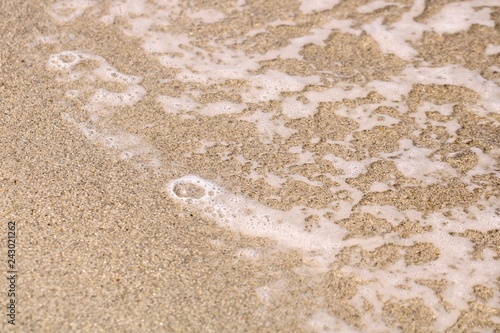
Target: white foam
[(102, 99), (48, 39), (415, 162), (366, 116), (126, 145), (303, 157), (252, 218), (452, 18), (460, 16), (421, 119), (209, 64), (105, 98), (177, 105), (389, 41), (268, 124), (486, 164), (352, 169), (133, 8), (459, 76), (315, 36), (207, 15), (379, 187), (337, 94), (322, 322), (492, 50), (375, 5), (269, 86), (215, 109), (310, 6), (393, 38), (108, 73), (68, 10), (396, 91), (102, 104), (295, 109), (67, 60), (248, 253)]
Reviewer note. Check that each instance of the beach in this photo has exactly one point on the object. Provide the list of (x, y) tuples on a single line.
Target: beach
[(250, 166)]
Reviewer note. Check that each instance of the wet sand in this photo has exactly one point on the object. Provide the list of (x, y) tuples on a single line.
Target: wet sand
[(102, 246)]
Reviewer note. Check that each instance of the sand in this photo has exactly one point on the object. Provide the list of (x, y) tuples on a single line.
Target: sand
[(102, 247)]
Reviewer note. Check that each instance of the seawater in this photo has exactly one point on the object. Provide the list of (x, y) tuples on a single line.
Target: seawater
[(358, 140)]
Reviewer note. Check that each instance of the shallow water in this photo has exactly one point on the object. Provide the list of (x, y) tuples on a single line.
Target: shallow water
[(363, 135)]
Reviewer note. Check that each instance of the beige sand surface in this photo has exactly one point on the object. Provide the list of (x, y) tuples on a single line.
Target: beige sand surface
[(102, 248)]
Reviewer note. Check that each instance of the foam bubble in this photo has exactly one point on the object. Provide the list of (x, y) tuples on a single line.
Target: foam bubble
[(65, 60)]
